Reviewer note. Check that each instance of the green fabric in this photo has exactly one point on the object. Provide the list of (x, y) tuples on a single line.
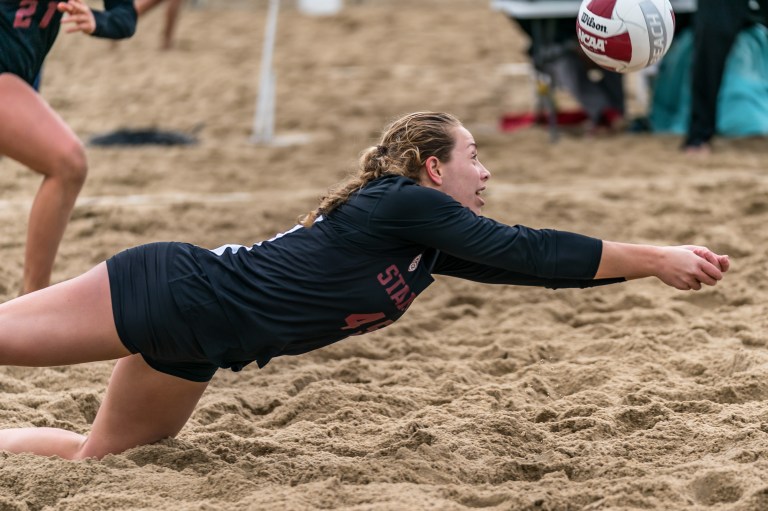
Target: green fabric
[(742, 105)]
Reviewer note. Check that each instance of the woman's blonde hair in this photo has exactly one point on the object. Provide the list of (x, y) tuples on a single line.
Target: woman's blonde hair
[(405, 145)]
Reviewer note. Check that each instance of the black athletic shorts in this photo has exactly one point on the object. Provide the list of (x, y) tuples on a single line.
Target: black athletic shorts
[(162, 302)]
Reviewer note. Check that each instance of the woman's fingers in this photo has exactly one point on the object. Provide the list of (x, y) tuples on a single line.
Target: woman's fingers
[(69, 7), (725, 262), (79, 15), (704, 278), (80, 25), (722, 262), (707, 254), (690, 268), (708, 269)]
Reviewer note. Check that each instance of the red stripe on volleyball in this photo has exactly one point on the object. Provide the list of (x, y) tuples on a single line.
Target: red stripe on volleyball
[(602, 8), (617, 47)]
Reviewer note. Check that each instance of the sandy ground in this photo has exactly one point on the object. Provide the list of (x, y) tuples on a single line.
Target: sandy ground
[(635, 396)]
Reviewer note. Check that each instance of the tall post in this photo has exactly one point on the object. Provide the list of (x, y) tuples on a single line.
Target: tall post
[(264, 118)]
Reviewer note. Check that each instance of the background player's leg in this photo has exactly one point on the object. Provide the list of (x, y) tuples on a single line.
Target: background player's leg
[(143, 6), (716, 25), (169, 28), (32, 133)]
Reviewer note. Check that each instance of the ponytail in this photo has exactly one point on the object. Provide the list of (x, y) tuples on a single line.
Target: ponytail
[(404, 147)]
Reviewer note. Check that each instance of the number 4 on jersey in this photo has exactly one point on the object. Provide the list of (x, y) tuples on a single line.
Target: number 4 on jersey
[(363, 323)]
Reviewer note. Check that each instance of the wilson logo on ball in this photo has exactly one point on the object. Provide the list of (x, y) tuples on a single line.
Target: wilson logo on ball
[(625, 35)]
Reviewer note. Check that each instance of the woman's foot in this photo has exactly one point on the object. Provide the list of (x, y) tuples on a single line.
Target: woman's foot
[(699, 148)]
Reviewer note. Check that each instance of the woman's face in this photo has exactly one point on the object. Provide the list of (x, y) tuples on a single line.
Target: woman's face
[(463, 176)]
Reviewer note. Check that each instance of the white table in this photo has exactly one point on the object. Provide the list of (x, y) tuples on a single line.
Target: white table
[(534, 9)]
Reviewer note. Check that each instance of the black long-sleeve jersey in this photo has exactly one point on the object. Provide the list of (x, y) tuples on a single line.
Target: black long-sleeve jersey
[(361, 267), (28, 29)]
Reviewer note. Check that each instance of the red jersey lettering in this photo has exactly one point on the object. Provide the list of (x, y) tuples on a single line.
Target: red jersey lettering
[(400, 296), (388, 275)]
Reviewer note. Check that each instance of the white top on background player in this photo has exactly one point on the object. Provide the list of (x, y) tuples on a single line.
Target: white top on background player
[(173, 313)]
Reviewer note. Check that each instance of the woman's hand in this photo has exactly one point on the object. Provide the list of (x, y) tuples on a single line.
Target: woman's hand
[(688, 267), (78, 15), (683, 267)]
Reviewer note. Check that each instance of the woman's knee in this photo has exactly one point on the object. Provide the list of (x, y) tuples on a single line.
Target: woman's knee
[(88, 451), (71, 164), (92, 449), (81, 455)]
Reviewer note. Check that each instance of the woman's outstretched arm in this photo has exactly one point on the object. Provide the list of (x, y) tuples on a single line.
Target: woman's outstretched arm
[(682, 267)]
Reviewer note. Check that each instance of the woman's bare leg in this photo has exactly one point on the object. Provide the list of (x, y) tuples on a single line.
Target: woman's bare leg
[(33, 134), (72, 322), (171, 17), (67, 323), (141, 406), (143, 6)]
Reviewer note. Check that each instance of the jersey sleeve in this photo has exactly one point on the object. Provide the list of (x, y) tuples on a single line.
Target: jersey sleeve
[(433, 218), (454, 267), (116, 21)]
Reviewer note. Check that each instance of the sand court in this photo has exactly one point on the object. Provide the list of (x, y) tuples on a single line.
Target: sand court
[(506, 398)]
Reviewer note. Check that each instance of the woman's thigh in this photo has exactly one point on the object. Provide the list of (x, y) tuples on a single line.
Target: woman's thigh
[(31, 132), (67, 323)]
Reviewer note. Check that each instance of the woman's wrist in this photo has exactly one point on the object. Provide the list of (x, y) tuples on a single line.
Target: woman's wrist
[(630, 261)]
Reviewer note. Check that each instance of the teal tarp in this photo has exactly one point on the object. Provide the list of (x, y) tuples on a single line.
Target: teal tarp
[(742, 106)]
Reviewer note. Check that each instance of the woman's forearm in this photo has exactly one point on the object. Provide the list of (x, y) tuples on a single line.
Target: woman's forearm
[(628, 260), (683, 267)]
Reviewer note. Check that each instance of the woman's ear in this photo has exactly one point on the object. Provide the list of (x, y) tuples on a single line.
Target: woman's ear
[(433, 170)]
